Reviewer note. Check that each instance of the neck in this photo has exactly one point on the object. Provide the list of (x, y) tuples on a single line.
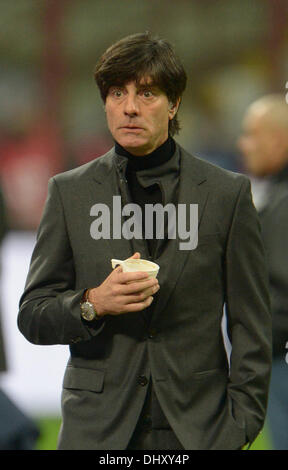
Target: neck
[(160, 155)]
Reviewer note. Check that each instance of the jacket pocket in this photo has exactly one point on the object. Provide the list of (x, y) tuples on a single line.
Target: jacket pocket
[(202, 374), (84, 379)]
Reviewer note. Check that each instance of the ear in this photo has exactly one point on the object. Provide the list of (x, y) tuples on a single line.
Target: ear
[(173, 108)]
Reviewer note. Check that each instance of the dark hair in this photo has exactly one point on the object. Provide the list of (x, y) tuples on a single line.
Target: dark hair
[(141, 56)]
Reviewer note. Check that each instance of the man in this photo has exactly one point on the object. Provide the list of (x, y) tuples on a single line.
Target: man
[(148, 375), (264, 145)]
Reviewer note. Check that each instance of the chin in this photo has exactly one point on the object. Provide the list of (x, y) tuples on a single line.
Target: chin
[(137, 151), (132, 145)]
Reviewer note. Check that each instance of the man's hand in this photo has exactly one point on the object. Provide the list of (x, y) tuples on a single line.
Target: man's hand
[(123, 292)]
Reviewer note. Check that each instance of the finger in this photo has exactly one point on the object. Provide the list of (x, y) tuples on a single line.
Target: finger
[(140, 286), (137, 286), (132, 276), (150, 291), (140, 296), (117, 269), (137, 307), (135, 256)]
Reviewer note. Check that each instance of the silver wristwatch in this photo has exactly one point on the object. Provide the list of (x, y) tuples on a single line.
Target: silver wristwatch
[(88, 311)]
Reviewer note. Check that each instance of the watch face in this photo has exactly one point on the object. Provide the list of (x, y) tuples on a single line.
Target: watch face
[(88, 312)]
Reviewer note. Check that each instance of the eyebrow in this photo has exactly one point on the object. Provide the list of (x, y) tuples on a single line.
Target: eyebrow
[(146, 85), (142, 86), (150, 86)]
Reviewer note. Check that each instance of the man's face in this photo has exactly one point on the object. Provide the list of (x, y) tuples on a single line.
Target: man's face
[(138, 116), (258, 144)]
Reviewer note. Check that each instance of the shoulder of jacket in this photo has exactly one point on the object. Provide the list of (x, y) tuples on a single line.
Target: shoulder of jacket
[(104, 162), (215, 173)]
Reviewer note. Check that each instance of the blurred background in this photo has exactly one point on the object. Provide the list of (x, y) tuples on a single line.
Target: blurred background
[(52, 119)]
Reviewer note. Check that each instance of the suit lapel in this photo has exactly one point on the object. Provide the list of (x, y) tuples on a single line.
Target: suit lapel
[(107, 186), (192, 190)]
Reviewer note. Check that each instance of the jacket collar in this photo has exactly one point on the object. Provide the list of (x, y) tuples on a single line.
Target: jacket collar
[(102, 166)]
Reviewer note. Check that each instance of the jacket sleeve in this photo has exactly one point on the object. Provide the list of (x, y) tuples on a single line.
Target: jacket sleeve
[(50, 306), (248, 311)]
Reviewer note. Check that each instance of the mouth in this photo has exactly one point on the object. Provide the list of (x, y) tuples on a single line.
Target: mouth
[(131, 128)]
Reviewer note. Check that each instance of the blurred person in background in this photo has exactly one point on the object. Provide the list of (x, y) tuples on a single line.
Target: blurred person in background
[(145, 375), (264, 146)]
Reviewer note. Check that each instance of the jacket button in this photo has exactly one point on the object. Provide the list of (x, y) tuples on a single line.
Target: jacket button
[(142, 380), (152, 333), (76, 340)]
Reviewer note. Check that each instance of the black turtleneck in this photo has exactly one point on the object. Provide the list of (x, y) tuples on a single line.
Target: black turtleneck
[(160, 155), (150, 194)]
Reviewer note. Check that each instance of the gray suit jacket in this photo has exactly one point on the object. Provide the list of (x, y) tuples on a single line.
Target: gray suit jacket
[(274, 222), (182, 348)]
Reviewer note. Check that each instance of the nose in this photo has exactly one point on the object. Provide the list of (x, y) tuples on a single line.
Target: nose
[(131, 107)]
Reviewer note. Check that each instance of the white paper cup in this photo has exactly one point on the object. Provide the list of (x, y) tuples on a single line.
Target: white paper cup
[(135, 265)]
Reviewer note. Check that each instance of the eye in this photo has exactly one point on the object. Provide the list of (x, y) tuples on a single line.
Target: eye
[(147, 93), (116, 92)]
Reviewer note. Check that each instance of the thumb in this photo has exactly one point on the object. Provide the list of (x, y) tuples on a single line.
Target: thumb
[(118, 269), (135, 256)]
